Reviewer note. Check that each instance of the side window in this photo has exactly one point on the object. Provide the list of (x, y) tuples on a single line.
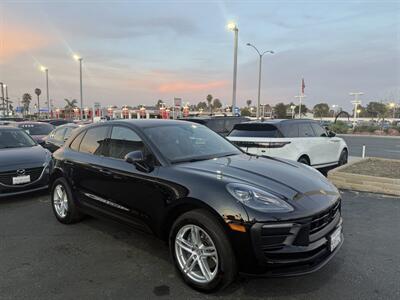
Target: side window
[(291, 130), (305, 130), (123, 140), (217, 125), (318, 130), (94, 141), (77, 141), (68, 132), (59, 134)]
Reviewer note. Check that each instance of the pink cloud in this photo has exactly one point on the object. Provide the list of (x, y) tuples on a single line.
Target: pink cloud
[(186, 86), (15, 40)]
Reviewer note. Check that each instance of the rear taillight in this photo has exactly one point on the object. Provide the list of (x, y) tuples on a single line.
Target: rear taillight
[(261, 144)]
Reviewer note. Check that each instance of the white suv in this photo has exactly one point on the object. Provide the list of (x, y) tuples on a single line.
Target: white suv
[(301, 140)]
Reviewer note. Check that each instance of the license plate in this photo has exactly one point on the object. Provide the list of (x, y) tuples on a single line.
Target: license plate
[(335, 238), (21, 179)]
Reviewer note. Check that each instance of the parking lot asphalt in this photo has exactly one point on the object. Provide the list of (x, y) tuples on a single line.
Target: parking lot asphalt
[(97, 259), (375, 146)]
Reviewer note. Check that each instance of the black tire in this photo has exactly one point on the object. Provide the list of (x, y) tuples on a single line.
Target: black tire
[(344, 156), (304, 160), (226, 271), (72, 214)]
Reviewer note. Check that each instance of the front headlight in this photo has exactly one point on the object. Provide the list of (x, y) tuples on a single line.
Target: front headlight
[(257, 199)]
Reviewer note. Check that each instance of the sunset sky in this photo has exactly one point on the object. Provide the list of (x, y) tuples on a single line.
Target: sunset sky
[(136, 52)]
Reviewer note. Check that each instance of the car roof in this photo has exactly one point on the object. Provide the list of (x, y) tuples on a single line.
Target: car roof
[(8, 128), (278, 121), (33, 123), (139, 123)]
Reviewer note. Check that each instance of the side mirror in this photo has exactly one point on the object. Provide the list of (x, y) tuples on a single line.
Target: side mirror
[(331, 134), (137, 158)]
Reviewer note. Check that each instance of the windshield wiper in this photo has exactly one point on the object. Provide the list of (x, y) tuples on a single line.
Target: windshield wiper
[(191, 159)]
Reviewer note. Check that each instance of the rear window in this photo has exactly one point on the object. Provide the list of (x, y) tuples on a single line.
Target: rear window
[(255, 130), (36, 129)]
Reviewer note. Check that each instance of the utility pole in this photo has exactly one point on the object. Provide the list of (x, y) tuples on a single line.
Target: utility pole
[(2, 96), (235, 29), (300, 97), (7, 102), (356, 102)]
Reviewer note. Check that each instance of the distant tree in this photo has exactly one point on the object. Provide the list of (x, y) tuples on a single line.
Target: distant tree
[(304, 109), (248, 102), (70, 105), (202, 105), (159, 103), (217, 104), (281, 110), (26, 101), (209, 99), (245, 112), (377, 109), (321, 110), (363, 113)]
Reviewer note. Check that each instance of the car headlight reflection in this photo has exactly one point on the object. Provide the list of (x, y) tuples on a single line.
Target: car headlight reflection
[(258, 199)]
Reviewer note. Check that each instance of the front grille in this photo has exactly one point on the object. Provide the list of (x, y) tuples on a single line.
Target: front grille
[(298, 240), (323, 219), (6, 177)]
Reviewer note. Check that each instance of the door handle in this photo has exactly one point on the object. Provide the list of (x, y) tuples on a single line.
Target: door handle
[(105, 172)]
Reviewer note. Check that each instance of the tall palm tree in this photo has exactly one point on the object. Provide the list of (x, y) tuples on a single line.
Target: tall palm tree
[(248, 102), (26, 101), (71, 104), (209, 100)]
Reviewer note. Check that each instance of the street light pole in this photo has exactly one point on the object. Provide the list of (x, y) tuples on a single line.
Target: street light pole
[(2, 96), (7, 102), (46, 71), (356, 102), (235, 29), (78, 58), (259, 75)]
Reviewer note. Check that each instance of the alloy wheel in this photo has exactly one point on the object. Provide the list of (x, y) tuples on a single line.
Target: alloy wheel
[(60, 201), (196, 254)]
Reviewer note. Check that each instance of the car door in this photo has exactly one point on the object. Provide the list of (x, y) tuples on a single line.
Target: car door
[(329, 145), (311, 145), (132, 194), (89, 179)]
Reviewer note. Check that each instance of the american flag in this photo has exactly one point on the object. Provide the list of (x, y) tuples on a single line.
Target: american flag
[(303, 86)]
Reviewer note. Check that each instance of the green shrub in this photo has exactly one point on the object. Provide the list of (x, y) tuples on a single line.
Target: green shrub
[(339, 127), (366, 128)]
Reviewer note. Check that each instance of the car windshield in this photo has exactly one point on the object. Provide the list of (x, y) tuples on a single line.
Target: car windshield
[(37, 129), (189, 142), (15, 139)]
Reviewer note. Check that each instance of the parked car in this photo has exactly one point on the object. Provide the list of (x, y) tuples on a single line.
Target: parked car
[(37, 130), (220, 124), (59, 136), (301, 140), (24, 165), (221, 210), (57, 122)]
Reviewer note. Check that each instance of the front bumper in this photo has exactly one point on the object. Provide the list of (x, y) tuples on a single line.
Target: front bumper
[(40, 181), (296, 247)]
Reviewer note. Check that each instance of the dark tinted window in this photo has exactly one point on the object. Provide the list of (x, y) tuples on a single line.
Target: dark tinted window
[(37, 129), (77, 141), (305, 130), (255, 130), (123, 140), (318, 130), (291, 130), (94, 141), (217, 125)]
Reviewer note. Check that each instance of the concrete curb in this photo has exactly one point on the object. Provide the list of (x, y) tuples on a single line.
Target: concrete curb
[(368, 135), (364, 183)]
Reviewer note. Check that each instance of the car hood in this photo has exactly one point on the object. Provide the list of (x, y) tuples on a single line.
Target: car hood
[(303, 187), (26, 157)]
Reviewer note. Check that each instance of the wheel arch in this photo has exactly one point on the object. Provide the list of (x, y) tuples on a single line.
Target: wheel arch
[(184, 206), (305, 156)]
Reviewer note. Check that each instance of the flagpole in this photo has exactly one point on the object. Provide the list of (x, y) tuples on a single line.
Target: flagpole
[(301, 96)]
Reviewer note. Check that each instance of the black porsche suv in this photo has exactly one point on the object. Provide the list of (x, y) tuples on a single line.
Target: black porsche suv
[(222, 211)]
